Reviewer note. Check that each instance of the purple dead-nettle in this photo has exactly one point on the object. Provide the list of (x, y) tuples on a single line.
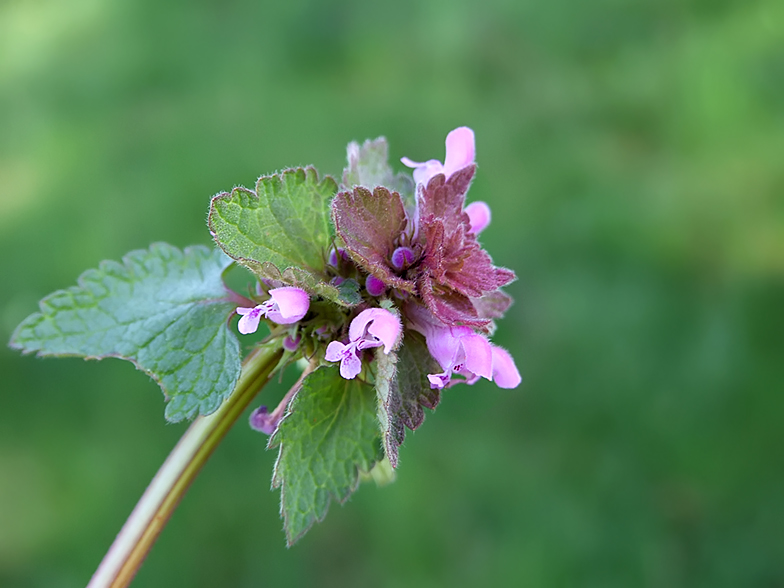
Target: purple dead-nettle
[(437, 266), (460, 153), (286, 305), (373, 327), (377, 288)]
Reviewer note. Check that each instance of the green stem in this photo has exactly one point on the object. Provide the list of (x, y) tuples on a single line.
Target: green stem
[(169, 485)]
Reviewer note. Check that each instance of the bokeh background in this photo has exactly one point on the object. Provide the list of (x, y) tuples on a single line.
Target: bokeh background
[(633, 155)]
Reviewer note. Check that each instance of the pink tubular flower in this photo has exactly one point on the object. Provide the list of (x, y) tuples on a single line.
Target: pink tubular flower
[(461, 351), (286, 305), (460, 152), (374, 327), (479, 216)]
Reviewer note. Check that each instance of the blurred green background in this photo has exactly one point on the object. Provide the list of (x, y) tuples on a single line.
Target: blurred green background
[(633, 155)]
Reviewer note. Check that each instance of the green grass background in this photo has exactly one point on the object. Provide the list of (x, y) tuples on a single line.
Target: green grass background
[(633, 155)]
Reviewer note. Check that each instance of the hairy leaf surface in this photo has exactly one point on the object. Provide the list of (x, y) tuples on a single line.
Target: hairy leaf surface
[(368, 166), (285, 222), (369, 224), (403, 390), (163, 309), (328, 436)]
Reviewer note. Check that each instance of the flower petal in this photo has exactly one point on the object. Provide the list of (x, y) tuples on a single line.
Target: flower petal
[(460, 150), (350, 365), (380, 323), (410, 163), (439, 381), (386, 327), (478, 355), (479, 215), (422, 175), (335, 351), (292, 304), (444, 344), (424, 171), (356, 329), (505, 373), (249, 320)]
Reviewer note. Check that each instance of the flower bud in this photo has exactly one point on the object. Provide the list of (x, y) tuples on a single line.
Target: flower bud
[(374, 286), (291, 344), (262, 420), (402, 257)]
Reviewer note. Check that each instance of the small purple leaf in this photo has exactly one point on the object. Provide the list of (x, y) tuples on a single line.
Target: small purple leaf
[(370, 223)]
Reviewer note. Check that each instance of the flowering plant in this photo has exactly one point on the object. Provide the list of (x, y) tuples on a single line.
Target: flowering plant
[(378, 287)]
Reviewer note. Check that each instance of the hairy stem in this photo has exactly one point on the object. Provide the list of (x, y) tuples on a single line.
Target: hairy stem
[(167, 488)]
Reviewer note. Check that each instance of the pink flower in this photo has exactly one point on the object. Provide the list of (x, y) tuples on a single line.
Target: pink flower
[(460, 152), (459, 350), (286, 305), (374, 327), (479, 216)]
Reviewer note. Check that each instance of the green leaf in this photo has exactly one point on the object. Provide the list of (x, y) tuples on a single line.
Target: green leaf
[(285, 223), (403, 390), (282, 231), (368, 166), (392, 428), (328, 436), (163, 309)]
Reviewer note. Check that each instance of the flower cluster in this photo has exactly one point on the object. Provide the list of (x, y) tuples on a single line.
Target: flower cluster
[(423, 271), (377, 287)]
